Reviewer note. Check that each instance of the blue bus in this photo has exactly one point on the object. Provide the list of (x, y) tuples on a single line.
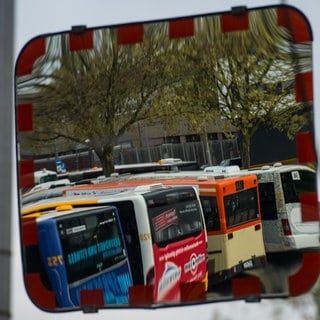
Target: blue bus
[(84, 255)]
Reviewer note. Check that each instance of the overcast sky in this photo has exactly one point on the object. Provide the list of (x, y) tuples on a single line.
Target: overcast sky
[(34, 17)]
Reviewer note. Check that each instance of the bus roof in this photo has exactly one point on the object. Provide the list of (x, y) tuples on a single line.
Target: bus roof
[(162, 164), (116, 186), (195, 174), (90, 196), (125, 183), (65, 210), (48, 185), (278, 167)]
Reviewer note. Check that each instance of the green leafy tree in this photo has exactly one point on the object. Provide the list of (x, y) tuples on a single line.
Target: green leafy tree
[(252, 73), (94, 96), (243, 79)]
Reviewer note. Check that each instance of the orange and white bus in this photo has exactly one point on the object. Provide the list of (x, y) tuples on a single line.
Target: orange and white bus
[(232, 215), (111, 246), (287, 224)]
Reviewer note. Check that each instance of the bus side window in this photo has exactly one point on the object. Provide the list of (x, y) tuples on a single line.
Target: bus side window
[(268, 201), (211, 215)]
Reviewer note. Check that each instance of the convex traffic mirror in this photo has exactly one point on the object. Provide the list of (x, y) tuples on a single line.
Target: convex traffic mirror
[(168, 162)]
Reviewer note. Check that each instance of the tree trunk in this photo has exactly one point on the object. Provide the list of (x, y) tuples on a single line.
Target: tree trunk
[(105, 156), (246, 150), (207, 157)]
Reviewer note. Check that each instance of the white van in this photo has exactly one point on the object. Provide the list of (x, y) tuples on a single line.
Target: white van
[(286, 225)]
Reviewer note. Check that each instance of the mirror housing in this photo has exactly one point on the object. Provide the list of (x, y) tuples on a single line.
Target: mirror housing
[(159, 56)]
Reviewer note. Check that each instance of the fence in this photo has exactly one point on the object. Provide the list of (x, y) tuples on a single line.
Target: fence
[(190, 151), (217, 150)]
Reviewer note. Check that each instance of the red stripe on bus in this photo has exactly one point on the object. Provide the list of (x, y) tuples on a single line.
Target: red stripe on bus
[(81, 41), (296, 24), (29, 233), (244, 287), (309, 207), (91, 298), (307, 276), (181, 28), (26, 174), (303, 86), (24, 115), (140, 295), (233, 22), (130, 34), (35, 49), (39, 294), (305, 147)]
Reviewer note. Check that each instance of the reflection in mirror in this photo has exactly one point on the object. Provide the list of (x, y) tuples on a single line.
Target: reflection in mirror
[(169, 162)]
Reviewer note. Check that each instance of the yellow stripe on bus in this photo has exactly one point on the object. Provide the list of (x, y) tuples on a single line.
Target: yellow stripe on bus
[(54, 205)]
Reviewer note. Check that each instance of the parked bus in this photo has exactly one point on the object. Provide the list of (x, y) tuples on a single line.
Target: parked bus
[(82, 250), (232, 215), (286, 226), (166, 164), (159, 231)]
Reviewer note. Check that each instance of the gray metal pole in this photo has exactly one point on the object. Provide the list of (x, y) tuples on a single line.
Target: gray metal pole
[(6, 119)]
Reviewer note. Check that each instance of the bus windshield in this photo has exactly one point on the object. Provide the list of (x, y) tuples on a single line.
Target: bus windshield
[(91, 243), (241, 207), (174, 215)]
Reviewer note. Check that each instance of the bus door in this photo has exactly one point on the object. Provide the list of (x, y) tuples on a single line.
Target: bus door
[(213, 227), (273, 229), (128, 222)]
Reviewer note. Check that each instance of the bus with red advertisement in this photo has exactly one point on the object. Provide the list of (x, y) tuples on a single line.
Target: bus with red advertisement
[(232, 216), (153, 237)]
